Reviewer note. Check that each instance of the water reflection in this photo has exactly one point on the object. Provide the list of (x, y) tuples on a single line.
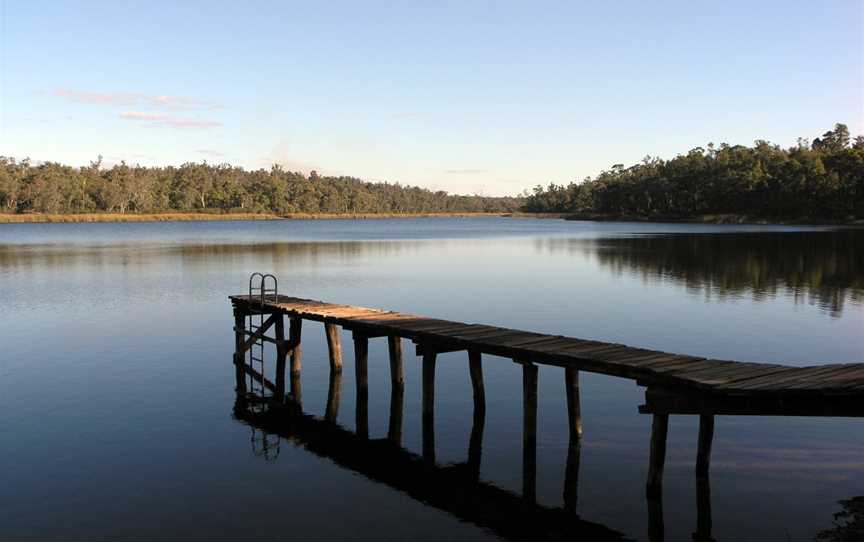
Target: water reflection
[(848, 523), (454, 488), (818, 267)]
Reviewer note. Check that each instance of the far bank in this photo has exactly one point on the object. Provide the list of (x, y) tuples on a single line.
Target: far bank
[(25, 218)]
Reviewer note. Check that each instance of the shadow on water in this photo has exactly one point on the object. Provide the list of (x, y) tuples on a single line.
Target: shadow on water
[(821, 267)]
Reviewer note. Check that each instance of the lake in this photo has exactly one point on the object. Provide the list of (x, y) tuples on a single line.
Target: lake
[(117, 384)]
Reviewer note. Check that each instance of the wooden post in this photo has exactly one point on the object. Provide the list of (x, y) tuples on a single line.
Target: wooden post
[(361, 359), (703, 510), (706, 437), (475, 368), (296, 389), (571, 475), (294, 331), (574, 450), (239, 355), (574, 414), (529, 431), (397, 370), (429, 358), (397, 389), (281, 354), (475, 444), (656, 526), (659, 430), (334, 395), (334, 346), (397, 402)]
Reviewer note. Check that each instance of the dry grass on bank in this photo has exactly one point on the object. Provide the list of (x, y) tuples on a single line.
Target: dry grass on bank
[(10, 218)]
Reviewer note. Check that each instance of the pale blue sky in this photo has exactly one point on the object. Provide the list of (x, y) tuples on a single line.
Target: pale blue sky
[(489, 97)]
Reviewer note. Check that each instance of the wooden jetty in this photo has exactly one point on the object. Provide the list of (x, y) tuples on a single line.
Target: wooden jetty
[(675, 384)]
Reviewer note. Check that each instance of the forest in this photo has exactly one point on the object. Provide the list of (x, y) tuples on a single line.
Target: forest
[(809, 181), (818, 180), (201, 187)]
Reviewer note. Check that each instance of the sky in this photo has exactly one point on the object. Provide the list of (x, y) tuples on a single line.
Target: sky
[(470, 97)]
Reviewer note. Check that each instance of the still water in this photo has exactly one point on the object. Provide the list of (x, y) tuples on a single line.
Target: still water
[(117, 391)]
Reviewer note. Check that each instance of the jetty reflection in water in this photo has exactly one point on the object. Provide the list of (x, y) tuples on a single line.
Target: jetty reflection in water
[(453, 488)]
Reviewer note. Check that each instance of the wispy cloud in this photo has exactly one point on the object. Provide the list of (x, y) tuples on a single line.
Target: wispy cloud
[(159, 119), (465, 171), (133, 99), (211, 153)]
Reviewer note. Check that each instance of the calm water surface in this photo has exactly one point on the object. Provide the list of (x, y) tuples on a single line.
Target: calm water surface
[(116, 383)]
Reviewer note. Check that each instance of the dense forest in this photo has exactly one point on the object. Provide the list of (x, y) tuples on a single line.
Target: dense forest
[(819, 180), (59, 189)]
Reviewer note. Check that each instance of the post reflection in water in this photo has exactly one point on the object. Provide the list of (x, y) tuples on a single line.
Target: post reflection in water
[(454, 488)]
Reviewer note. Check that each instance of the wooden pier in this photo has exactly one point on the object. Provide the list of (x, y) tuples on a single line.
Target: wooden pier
[(675, 384)]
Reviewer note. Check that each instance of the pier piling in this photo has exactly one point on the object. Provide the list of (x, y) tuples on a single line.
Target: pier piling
[(334, 346)]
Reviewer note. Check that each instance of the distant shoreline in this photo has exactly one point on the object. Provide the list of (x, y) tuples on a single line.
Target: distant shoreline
[(710, 219), (42, 218)]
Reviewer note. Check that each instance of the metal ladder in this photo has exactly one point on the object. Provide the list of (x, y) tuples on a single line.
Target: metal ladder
[(259, 292)]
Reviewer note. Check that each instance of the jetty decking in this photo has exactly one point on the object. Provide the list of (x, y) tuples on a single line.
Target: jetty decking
[(648, 367), (676, 384)]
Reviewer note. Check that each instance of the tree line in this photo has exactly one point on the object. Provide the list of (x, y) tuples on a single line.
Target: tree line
[(55, 188), (819, 180)]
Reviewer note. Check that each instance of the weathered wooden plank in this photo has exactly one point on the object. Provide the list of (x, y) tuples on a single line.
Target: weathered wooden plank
[(721, 372), (825, 380), (521, 341), (674, 365), (562, 344), (479, 333), (510, 339), (594, 351), (784, 381)]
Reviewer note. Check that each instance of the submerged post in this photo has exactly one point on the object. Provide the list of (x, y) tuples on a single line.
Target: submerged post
[(429, 358), (475, 444), (706, 437), (656, 525), (334, 395), (334, 347), (295, 330), (239, 355), (394, 426), (475, 368), (397, 389), (571, 475), (397, 369), (529, 431), (703, 510), (574, 450), (574, 410), (361, 359), (281, 354), (659, 430)]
